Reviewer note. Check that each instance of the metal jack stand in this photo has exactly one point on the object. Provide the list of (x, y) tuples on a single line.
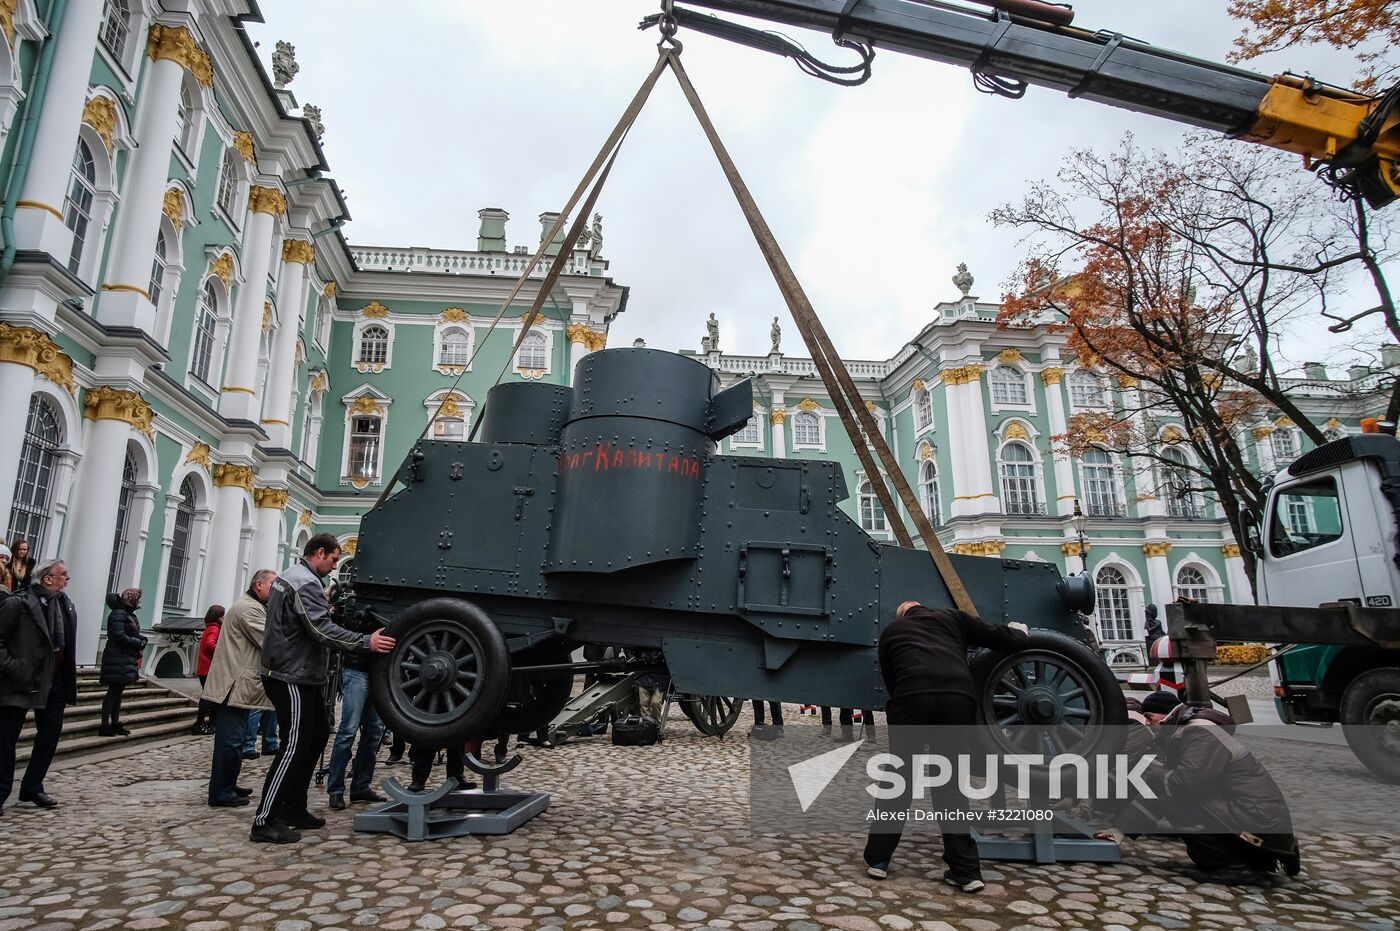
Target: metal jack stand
[(448, 812), (1064, 839)]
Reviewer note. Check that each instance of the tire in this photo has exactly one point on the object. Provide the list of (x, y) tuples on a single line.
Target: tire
[(1057, 695), (535, 700), (712, 714), (1370, 716), (461, 692)]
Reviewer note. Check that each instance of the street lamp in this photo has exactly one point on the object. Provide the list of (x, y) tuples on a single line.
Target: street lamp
[(1080, 522)]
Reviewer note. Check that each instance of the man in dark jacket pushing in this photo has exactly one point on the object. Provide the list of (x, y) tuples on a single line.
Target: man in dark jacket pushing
[(923, 659)]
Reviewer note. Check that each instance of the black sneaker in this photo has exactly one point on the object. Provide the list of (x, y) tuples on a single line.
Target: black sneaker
[(274, 832), (251, 755), (367, 795), (303, 820), (242, 791), (237, 801), (337, 801)]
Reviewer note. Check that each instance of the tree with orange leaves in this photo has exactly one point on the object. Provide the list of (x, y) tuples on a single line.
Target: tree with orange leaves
[(1370, 28), (1180, 276)]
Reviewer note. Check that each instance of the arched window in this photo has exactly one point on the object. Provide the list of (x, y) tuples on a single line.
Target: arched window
[(318, 328), (365, 430), (1008, 385), (228, 182), (180, 546), (116, 25), (872, 515), (1085, 390), (750, 435), (1020, 489), (923, 410), (1113, 608), (374, 345), (202, 359), (1332, 435), (77, 208), (1191, 583), (534, 352), (158, 269), (806, 429), (124, 499), (1100, 481), (29, 516), (1176, 487), (183, 112), (454, 347), (928, 491), (1284, 444)]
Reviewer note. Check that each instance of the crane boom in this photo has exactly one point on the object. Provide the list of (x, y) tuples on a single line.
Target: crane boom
[(1353, 139)]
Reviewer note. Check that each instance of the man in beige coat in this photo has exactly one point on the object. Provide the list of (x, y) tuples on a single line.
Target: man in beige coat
[(234, 687)]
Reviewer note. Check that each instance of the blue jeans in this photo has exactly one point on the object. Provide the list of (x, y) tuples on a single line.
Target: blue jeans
[(230, 731), (265, 723), (356, 714)]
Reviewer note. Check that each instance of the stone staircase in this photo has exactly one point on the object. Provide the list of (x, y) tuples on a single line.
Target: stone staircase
[(149, 710)]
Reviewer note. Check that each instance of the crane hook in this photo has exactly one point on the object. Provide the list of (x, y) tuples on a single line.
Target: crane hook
[(668, 26)]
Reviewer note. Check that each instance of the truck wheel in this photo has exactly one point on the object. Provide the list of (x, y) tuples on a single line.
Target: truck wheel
[(446, 678), (533, 700), (1053, 697), (1370, 716), (712, 714)]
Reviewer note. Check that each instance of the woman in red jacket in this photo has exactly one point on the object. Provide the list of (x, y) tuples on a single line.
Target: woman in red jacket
[(213, 623)]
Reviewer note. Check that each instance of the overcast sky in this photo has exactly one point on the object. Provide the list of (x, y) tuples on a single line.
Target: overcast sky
[(436, 108)]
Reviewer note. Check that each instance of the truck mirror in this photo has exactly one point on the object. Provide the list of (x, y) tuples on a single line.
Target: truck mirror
[(1249, 525)]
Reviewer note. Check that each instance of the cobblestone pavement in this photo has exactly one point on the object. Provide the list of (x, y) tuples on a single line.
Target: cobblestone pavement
[(651, 837)]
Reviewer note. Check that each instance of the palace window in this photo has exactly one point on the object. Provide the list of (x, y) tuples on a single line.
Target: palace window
[(158, 269), (1008, 385), (116, 26), (534, 353), (1114, 612), (1020, 487), (1086, 391), (872, 515), (183, 111), (30, 514), (1100, 481), (806, 429), (180, 546), (77, 208), (455, 347), (365, 432), (750, 435), (124, 499), (1284, 444), (923, 410), (201, 361), (228, 182), (928, 491), (374, 345), (1191, 583), (1175, 485)]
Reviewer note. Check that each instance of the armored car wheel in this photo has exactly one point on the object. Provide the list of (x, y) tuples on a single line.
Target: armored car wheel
[(712, 714), (1370, 716), (533, 700), (446, 678), (1056, 696)]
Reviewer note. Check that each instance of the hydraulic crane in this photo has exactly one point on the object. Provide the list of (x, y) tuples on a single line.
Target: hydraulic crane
[(1352, 141)]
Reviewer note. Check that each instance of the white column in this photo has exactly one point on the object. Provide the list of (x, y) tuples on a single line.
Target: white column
[(231, 486), (1063, 504), (777, 418), (239, 399), (291, 299), (578, 346), (1235, 577), (971, 457), (88, 546), (270, 504), (16, 386), (39, 219), (125, 299), (1159, 576)]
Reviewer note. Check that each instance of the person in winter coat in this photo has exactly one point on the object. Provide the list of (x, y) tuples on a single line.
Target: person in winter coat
[(21, 564), (208, 641), (121, 658), (234, 688), (7, 578), (38, 671), (1209, 779)]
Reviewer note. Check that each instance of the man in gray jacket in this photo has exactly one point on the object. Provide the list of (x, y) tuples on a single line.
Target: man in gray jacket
[(234, 688), (296, 653)]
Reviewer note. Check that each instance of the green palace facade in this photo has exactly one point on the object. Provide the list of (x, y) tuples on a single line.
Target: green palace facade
[(201, 371)]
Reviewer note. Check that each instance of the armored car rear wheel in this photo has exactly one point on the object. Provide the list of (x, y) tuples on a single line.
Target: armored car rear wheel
[(447, 676), (712, 714)]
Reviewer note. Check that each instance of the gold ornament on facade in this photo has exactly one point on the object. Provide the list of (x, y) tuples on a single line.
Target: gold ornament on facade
[(1095, 435), (596, 341), (174, 207), (267, 200), (531, 374), (272, 498), (963, 375), (981, 548), (101, 114), (1261, 433), (1125, 382), (305, 519), (1212, 380), (807, 404), (777, 417), (925, 451), (107, 403), (227, 475), (1052, 376), (449, 407), (299, 353), (318, 383), (365, 404), (870, 406), (223, 269), (369, 368), (1333, 424), (1230, 551), (329, 290), (1071, 547), (1156, 548), (374, 309), (1016, 431), (33, 349), (918, 384), (1009, 355), (199, 455), (298, 250), (243, 142), (1284, 423), (1172, 435), (7, 19), (175, 43), (267, 316), (577, 333), (454, 315), (347, 549)]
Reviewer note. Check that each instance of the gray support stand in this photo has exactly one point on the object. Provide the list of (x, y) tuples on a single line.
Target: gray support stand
[(448, 812), (1065, 840)]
